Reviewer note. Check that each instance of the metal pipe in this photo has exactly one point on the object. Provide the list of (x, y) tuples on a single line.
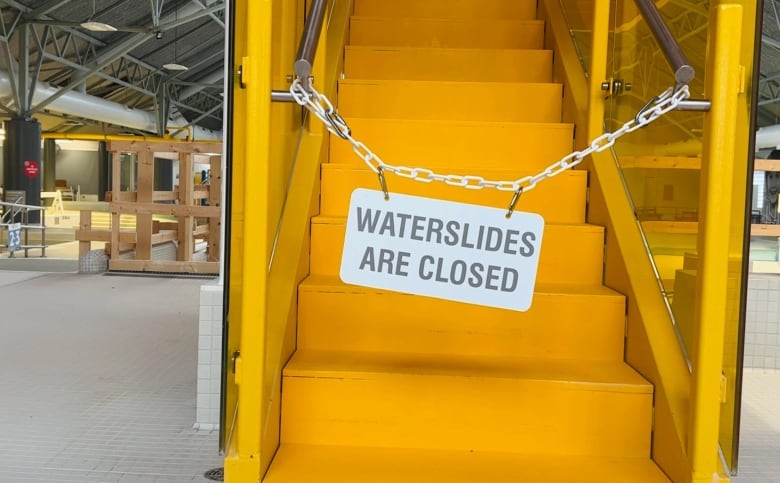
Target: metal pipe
[(694, 105), (311, 37), (683, 72), (281, 96)]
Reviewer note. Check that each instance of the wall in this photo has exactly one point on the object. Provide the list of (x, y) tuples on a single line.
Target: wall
[(762, 327), (78, 168)]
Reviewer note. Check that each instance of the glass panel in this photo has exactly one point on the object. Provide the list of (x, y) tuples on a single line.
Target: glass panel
[(661, 167), (579, 18)]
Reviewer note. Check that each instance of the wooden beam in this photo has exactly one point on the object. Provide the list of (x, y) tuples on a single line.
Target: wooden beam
[(85, 223), (163, 209), (145, 194), (678, 227), (165, 195), (215, 199), (186, 200), (164, 266), (767, 165), (765, 230), (104, 236), (200, 147), (165, 236), (660, 162)]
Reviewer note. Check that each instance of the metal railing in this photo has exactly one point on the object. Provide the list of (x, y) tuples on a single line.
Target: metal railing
[(684, 72), (18, 213), (307, 49)]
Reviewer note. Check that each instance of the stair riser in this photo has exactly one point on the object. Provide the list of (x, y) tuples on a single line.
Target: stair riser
[(557, 326), (462, 9), (483, 34), (448, 64), (457, 145), (457, 413), (570, 253), (451, 101), (558, 200)]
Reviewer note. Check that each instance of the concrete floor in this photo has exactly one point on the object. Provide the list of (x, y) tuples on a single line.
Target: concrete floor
[(98, 376), (99, 384)]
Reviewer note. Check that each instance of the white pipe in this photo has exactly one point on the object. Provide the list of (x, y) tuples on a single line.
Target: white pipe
[(97, 109)]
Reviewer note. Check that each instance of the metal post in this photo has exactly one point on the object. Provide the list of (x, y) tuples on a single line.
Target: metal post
[(311, 37)]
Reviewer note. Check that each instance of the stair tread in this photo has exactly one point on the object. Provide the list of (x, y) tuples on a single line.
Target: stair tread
[(463, 123), (439, 83), (332, 283), (596, 375), (441, 50), (520, 171), (351, 464)]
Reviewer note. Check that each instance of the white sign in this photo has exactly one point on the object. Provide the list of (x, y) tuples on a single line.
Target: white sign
[(14, 236), (443, 249)]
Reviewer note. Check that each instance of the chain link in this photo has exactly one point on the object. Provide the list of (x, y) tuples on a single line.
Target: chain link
[(320, 106)]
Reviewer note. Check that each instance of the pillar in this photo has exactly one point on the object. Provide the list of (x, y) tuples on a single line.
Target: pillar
[(22, 161), (49, 168)]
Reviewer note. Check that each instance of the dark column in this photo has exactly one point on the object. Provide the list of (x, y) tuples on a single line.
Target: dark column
[(49, 164), (22, 161), (104, 170)]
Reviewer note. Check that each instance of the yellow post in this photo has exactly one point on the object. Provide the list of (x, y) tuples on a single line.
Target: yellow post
[(244, 464), (598, 69), (723, 88)]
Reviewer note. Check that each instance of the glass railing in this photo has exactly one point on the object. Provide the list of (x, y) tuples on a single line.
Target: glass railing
[(662, 170)]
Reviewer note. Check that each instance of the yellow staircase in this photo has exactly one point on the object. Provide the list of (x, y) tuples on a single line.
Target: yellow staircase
[(388, 387)]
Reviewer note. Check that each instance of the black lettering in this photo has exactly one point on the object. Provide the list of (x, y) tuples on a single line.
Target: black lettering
[(404, 218), (475, 280), (464, 241), (439, 269), (508, 285), (451, 238), (492, 275), (458, 272), (527, 238), (431, 230), (403, 263), (418, 225), (368, 259), (423, 260), (510, 241), (388, 224), (493, 243), (366, 220), (386, 258)]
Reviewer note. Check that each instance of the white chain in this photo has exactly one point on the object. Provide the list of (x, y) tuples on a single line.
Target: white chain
[(321, 107)]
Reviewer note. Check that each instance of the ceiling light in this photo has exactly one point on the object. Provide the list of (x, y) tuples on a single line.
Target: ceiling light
[(175, 66), (93, 26)]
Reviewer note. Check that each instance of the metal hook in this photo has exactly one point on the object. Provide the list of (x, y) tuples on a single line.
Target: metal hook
[(514, 201), (652, 101), (380, 171)]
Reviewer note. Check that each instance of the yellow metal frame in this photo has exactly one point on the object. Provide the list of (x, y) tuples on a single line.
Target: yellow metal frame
[(275, 192), (725, 82), (687, 407)]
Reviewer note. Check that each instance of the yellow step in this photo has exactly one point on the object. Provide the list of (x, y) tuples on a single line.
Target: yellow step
[(417, 32), (570, 253), (461, 9), (564, 322), (296, 463), (457, 144), (470, 65), (465, 403), (472, 101), (559, 200)]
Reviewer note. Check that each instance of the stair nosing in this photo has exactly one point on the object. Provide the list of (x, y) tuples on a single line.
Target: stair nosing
[(563, 372)]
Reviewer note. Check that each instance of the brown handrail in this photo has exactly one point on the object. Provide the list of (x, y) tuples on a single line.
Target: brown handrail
[(683, 71)]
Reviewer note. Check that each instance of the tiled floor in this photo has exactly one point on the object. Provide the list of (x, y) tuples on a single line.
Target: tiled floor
[(98, 380), (98, 384)]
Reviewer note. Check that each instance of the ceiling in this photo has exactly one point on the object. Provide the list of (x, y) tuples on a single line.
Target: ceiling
[(125, 67)]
